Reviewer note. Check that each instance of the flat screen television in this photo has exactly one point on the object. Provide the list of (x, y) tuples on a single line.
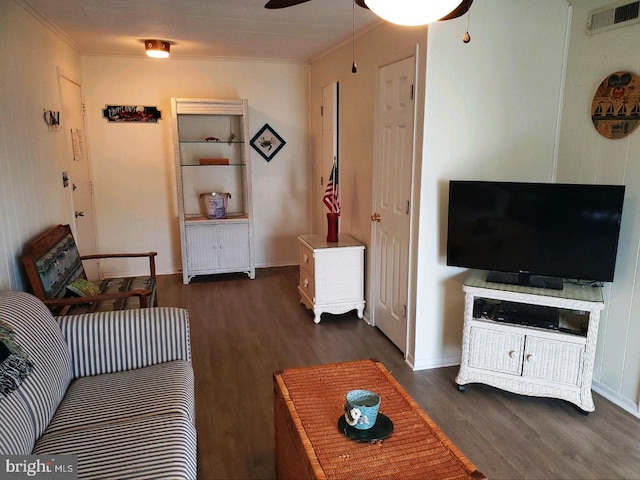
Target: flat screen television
[(535, 234)]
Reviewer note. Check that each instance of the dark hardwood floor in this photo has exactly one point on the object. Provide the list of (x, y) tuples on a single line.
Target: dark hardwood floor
[(243, 330)]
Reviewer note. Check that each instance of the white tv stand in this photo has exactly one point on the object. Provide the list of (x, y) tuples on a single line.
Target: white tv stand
[(529, 360)]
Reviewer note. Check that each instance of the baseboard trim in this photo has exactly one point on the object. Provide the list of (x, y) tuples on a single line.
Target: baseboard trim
[(429, 363), (601, 389), (616, 398)]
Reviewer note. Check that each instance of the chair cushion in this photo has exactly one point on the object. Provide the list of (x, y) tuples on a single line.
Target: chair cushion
[(59, 267), (161, 447), (165, 388), (83, 288), (112, 285)]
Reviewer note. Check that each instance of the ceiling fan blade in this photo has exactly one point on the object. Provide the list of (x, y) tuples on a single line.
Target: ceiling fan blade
[(273, 4), (458, 11)]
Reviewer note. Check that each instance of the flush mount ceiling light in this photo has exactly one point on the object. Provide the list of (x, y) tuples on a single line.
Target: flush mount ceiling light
[(157, 48), (412, 12)]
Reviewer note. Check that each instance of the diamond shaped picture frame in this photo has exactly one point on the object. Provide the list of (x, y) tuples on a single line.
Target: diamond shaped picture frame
[(267, 142)]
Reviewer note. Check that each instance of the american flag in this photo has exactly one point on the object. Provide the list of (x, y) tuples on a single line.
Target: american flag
[(331, 194)]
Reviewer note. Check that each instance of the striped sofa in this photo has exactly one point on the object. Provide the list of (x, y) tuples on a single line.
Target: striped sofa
[(113, 388)]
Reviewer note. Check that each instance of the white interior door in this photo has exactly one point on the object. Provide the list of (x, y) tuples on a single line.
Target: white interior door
[(72, 121), (392, 194), (329, 142)]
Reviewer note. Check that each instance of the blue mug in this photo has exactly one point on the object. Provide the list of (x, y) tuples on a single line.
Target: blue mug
[(361, 409)]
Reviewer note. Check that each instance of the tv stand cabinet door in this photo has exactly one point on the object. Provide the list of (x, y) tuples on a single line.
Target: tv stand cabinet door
[(496, 351), (553, 361)]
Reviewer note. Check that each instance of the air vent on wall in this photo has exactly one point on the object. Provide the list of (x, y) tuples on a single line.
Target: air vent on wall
[(616, 15)]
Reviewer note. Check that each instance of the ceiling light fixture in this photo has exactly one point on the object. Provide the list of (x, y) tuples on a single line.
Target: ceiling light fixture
[(412, 13), (157, 48)]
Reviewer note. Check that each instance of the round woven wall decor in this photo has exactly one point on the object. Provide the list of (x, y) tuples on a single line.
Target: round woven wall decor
[(615, 110)]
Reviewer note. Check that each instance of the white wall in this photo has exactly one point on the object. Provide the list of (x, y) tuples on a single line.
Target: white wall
[(587, 157), (133, 164), (32, 158), (491, 113)]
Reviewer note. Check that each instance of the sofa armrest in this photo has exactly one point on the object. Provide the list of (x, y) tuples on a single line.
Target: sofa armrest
[(107, 342)]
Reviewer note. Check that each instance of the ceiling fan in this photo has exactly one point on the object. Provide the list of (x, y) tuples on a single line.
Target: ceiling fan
[(457, 12)]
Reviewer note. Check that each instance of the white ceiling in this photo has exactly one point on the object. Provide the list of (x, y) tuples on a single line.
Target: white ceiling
[(203, 28)]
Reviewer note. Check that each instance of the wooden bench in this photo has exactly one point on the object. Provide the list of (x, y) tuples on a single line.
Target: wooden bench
[(52, 263)]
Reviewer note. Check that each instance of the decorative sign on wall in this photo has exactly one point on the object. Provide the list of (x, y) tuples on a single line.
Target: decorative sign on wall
[(615, 110), (267, 142), (132, 113)]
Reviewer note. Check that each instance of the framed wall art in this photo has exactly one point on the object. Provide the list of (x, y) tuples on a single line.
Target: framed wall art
[(131, 113), (615, 109), (267, 142)]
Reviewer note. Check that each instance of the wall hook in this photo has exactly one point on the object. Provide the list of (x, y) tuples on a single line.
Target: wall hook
[(52, 119)]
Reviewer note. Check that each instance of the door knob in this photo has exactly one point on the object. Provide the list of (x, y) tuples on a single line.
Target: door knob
[(375, 217)]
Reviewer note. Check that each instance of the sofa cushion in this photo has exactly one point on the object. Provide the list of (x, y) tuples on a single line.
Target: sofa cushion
[(161, 447), (166, 388), (108, 342), (40, 338)]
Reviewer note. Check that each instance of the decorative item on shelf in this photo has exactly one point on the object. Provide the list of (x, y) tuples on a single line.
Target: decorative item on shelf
[(52, 119), (267, 142), (157, 48), (213, 161), (131, 113), (332, 200), (615, 109), (216, 204)]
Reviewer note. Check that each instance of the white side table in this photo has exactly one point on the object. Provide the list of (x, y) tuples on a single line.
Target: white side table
[(331, 275)]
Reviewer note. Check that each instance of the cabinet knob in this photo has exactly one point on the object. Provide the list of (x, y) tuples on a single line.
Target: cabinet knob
[(513, 354), (531, 358), (306, 282), (305, 257)]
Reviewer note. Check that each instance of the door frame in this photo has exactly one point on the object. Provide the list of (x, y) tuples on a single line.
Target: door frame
[(416, 172), (67, 76), (330, 148)]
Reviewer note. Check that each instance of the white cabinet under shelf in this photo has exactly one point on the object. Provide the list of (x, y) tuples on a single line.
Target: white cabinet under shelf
[(331, 275), (530, 360), (211, 145)]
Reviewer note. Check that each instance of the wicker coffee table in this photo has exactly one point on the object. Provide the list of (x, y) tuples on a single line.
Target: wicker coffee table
[(308, 404)]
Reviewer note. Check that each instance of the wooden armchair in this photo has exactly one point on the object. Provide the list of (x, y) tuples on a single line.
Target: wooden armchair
[(52, 264)]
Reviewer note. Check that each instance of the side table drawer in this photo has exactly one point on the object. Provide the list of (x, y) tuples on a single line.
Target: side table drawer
[(307, 284), (306, 259)]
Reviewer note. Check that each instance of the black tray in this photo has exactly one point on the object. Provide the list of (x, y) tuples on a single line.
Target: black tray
[(382, 429)]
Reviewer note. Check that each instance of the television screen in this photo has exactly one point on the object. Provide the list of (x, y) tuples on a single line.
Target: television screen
[(535, 229)]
